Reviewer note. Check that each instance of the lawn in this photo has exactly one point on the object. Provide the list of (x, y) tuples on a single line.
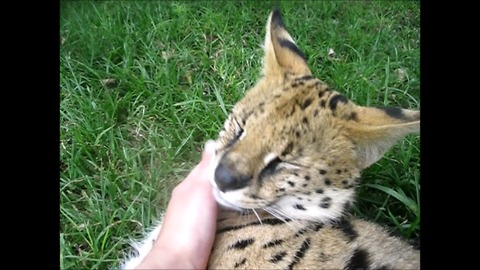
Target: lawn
[(144, 84)]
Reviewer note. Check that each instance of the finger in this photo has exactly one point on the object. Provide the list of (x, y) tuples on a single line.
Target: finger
[(208, 153), (203, 170)]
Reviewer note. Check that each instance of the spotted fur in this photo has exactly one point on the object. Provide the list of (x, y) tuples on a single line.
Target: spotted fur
[(286, 167)]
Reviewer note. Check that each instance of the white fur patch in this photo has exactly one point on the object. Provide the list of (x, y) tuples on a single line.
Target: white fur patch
[(313, 210), (231, 199), (269, 157), (143, 247), (226, 124), (223, 202)]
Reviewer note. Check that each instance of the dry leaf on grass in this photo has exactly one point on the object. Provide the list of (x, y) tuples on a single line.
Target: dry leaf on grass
[(167, 54), (109, 83), (401, 74)]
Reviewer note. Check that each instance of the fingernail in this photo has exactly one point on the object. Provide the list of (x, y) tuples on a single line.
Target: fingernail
[(209, 148)]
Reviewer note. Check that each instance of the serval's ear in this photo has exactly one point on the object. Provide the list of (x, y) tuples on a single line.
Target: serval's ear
[(281, 53), (376, 130)]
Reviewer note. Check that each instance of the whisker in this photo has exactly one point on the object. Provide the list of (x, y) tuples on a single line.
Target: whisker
[(255, 212), (274, 213), (279, 214)]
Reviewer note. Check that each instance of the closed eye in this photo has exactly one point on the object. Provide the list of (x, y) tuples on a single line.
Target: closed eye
[(270, 168), (238, 133)]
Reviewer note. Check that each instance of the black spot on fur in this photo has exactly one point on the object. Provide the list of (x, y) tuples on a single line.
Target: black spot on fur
[(300, 253), (326, 202), (325, 205), (291, 183), (320, 93), (322, 171), (317, 84), (353, 116), (322, 103), (299, 207), (346, 227), (270, 221), (277, 257), (317, 227), (338, 171), (296, 84), (305, 78), (307, 103), (305, 120), (307, 177), (322, 257), (281, 189), (304, 185), (254, 196), (359, 260), (273, 243), (285, 43), (242, 244), (287, 149), (297, 134), (240, 263), (334, 101), (320, 191), (300, 232), (315, 112), (292, 111), (393, 112), (328, 182)]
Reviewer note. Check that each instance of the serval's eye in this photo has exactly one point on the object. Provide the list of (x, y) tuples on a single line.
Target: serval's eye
[(238, 129), (238, 132), (270, 168)]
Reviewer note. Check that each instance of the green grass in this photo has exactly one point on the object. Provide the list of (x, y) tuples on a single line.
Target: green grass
[(175, 69)]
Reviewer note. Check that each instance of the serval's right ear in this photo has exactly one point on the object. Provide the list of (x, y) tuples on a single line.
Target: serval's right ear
[(281, 53)]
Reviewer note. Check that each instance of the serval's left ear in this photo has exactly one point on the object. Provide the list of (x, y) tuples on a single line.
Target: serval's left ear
[(281, 53), (375, 130)]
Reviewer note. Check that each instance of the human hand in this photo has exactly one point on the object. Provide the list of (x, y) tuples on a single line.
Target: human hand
[(188, 228)]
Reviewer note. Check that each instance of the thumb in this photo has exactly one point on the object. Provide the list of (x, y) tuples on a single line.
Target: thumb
[(204, 169), (208, 154)]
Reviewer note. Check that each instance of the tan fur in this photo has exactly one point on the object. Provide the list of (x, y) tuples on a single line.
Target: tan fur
[(330, 247), (322, 142)]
